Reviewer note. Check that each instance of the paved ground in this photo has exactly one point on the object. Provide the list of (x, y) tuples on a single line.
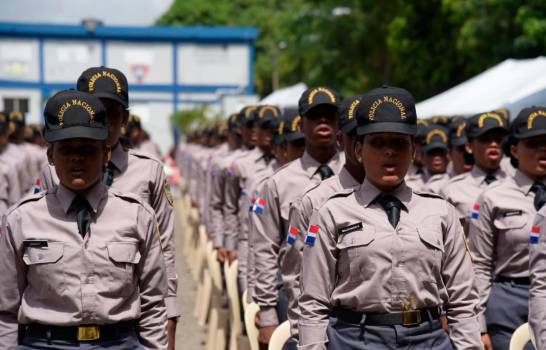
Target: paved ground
[(189, 335)]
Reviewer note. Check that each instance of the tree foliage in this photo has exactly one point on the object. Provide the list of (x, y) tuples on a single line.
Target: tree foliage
[(424, 46)]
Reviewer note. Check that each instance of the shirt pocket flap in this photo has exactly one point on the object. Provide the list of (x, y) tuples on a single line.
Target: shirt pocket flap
[(44, 255), (510, 222), (124, 252), (356, 238), (431, 235)]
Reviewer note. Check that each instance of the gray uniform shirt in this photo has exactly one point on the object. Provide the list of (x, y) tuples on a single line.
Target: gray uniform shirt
[(537, 270)]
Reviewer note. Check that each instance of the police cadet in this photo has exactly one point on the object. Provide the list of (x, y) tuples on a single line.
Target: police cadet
[(289, 145), (9, 180), (82, 264), (380, 261), (318, 108), (501, 221), (461, 160), (485, 133), (15, 154), (36, 148), (131, 172), (350, 176), (414, 177), (435, 158)]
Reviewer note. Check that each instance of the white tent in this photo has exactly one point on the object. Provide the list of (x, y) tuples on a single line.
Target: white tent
[(285, 98), (512, 84)]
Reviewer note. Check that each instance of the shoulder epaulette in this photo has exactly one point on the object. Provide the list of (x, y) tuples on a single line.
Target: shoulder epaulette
[(28, 198), (428, 194), (457, 178), (342, 193), (133, 198), (142, 155)]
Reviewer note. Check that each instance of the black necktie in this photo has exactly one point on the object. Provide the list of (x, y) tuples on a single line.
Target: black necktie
[(489, 179), (108, 176), (392, 207), (325, 171), (540, 194), (419, 170), (83, 214)]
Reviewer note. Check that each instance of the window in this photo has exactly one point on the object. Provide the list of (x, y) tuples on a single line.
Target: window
[(16, 105)]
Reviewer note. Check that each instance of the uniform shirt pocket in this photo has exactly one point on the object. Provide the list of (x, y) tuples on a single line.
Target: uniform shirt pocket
[(45, 274), (356, 253), (431, 250), (125, 256), (512, 228)]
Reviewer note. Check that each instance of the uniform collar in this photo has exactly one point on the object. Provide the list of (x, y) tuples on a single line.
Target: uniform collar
[(479, 175), (311, 165), (120, 158), (367, 193), (524, 182), (93, 196)]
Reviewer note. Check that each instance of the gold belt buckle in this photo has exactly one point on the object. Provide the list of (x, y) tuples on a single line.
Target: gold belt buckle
[(411, 318), (87, 333)]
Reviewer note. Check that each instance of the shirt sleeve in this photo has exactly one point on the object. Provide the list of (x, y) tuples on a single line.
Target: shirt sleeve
[(482, 234), (537, 291), (267, 242), (231, 206), (161, 203), (12, 281), (458, 277), (318, 278), (216, 214), (152, 284)]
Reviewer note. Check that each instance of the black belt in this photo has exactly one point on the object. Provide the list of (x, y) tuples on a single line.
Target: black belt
[(405, 318), (516, 280), (80, 333)]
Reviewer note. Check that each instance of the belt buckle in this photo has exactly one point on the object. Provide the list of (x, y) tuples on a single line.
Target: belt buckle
[(87, 333), (411, 318)]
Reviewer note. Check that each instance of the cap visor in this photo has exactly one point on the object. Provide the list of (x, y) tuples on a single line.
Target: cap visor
[(75, 132), (434, 145), (398, 128), (348, 128), (293, 136), (486, 129), (529, 134), (458, 142), (305, 111), (111, 97)]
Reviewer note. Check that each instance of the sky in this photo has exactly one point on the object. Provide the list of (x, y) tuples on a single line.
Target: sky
[(111, 12)]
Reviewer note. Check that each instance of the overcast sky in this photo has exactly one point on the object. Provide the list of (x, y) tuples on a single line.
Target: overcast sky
[(111, 12)]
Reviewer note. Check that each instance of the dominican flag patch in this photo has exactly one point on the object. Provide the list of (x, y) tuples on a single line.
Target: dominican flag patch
[(36, 188), (292, 235), (230, 170), (535, 235), (312, 234), (475, 212), (259, 205), (251, 208)]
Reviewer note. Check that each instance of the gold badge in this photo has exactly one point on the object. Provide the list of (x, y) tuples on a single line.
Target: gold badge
[(465, 240)]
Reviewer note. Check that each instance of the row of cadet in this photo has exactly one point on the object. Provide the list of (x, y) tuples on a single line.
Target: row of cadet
[(367, 228), (89, 255), (23, 154)]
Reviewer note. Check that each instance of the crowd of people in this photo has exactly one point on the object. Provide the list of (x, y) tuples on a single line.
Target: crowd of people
[(368, 228)]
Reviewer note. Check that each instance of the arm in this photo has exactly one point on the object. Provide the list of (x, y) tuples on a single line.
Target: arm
[(458, 277), (216, 214), (318, 278), (231, 208), (537, 291), (165, 221), (482, 234), (152, 284)]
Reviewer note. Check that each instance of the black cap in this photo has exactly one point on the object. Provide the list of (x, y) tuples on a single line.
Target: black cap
[(504, 113), (276, 127), (422, 125), (387, 109), (74, 114), (248, 114), (457, 133), (105, 82), (436, 136), (479, 124), (317, 96), (529, 122), (266, 114), (292, 127), (347, 116), (4, 122), (234, 122), (440, 120), (17, 121)]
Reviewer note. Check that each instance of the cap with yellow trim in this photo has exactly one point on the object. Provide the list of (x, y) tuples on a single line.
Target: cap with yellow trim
[(387, 109), (457, 133), (292, 129), (4, 122), (529, 122), (266, 114), (317, 96), (104, 82), (74, 114), (248, 115), (479, 124), (347, 116), (436, 137)]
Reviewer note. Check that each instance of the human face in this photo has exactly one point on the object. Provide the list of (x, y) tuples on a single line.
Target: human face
[(436, 161), (250, 135), (457, 155), (386, 158), (116, 117), (319, 126), (531, 156), (486, 149), (79, 162), (264, 139)]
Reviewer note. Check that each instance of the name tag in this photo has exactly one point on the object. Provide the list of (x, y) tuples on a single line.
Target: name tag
[(350, 228), (35, 243), (512, 213)]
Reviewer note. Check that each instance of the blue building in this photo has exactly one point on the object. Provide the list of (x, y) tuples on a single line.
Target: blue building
[(168, 68)]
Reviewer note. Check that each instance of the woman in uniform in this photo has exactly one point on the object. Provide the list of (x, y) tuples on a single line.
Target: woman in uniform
[(83, 266), (381, 262), (501, 220)]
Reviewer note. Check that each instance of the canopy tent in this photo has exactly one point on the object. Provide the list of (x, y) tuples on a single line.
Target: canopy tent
[(512, 84), (285, 98)]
